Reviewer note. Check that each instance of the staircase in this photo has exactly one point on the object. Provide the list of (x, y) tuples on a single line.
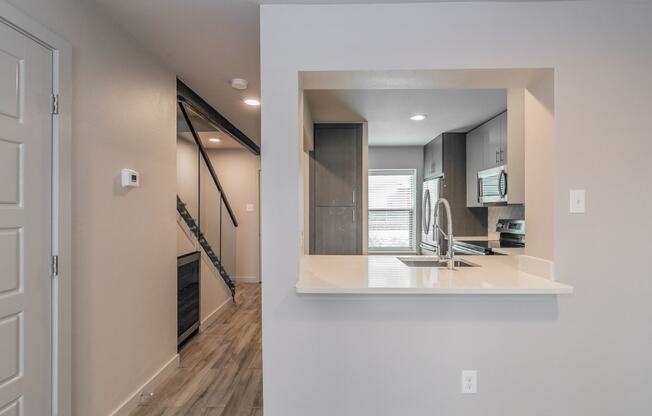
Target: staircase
[(194, 228)]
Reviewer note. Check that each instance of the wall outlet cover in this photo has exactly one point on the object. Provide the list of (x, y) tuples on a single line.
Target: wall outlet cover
[(577, 201), (469, 381)]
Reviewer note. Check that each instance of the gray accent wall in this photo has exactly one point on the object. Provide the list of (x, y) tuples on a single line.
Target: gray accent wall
[(401, 157), (573, 355)]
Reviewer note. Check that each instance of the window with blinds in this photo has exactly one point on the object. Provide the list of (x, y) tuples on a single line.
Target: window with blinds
[(392, 202)]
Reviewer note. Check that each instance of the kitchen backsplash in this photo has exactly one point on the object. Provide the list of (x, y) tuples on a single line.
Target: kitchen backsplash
[(511, 212)]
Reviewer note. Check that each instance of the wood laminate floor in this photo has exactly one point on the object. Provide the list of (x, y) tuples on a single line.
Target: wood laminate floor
[(221, 368)]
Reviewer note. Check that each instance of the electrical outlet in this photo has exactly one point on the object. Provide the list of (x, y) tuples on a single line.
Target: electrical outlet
[(469, 381)]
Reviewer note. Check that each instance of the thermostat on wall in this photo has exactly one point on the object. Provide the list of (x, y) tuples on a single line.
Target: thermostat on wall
[(130, 178)]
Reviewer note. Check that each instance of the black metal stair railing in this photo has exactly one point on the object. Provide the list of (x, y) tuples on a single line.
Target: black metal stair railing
[(194, 228)]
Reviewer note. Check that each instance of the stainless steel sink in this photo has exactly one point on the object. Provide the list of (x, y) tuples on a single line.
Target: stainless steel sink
[(412, 262)]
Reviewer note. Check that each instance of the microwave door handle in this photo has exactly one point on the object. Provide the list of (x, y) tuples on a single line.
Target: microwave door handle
[(500, 190)]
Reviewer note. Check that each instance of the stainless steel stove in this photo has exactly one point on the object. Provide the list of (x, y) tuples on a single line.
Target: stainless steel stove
[(512, 234)]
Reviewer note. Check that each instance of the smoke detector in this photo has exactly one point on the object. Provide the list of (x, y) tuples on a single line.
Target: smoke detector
[(239, 83)]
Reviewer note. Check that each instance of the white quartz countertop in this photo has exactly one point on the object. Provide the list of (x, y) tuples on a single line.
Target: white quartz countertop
[(385, 274)]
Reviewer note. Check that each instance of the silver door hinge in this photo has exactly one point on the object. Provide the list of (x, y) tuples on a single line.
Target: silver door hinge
[(55, 265), (55, 103)]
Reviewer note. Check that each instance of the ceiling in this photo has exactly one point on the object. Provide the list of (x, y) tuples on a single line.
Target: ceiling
[(388, 112), (207, 43)]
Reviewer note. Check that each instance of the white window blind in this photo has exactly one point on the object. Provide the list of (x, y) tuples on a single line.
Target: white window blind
[(392, 201)]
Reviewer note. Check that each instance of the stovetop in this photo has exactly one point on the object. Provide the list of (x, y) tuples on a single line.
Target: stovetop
[(489, 244)]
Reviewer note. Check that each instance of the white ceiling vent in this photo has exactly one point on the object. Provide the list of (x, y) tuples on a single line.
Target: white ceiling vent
[(239, 83)]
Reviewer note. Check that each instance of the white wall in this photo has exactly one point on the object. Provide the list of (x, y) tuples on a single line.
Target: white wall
[(187, 177), (306, 129), (401, 157), (540, 168), (238, 170), (124, 245), (582, 354)]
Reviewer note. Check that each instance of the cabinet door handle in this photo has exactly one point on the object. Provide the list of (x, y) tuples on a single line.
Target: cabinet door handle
[(353, 197), (497, 156), (479, 190), (502, 155)]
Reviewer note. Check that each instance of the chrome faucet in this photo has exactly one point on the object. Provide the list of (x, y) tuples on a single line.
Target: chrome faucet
[(450, 257)]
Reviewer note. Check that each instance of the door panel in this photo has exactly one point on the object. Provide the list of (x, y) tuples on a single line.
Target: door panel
[(10, 69), (10, 345), (10, 168), (25, 224), (336, 230), (11, 410), (336, 166), (10, 250)]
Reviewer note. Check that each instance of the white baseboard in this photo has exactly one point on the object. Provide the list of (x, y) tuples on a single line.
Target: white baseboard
[(245, 279), (206, 322), (132, 402)]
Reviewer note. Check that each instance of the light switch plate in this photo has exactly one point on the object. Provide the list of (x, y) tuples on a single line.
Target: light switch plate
[(577, 201)]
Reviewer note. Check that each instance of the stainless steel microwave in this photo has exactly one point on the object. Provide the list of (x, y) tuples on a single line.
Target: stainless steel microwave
[(492, 185)]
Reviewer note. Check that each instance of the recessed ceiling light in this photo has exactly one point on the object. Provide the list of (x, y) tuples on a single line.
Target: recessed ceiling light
[(418, 117), (214, 140), (252, 101)]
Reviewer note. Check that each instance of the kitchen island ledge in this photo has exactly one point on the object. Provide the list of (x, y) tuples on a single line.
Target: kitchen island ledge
[(387, 275)]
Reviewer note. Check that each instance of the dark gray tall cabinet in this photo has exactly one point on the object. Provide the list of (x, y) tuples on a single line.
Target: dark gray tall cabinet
[(336, 189), (445, 156)]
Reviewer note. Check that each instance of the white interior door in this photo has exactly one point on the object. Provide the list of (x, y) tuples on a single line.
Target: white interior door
[(25, 225)]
